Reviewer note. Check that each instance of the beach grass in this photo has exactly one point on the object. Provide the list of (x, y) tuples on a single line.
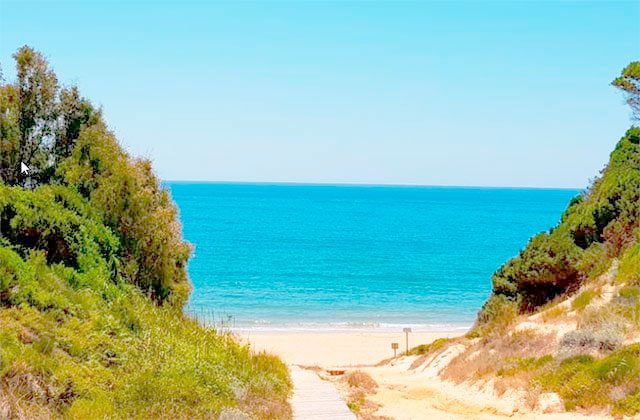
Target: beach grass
[(106, 351)]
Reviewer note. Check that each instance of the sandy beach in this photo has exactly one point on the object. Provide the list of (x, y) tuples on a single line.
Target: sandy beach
[(327, 349), (402, 393)]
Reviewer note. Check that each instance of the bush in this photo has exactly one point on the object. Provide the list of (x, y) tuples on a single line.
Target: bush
[(129, 198), (62, 138), (40, 122), (544, 269), (583, 341)]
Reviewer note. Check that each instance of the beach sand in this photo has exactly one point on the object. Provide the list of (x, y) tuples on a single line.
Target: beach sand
[(331, 349), (402, 393)]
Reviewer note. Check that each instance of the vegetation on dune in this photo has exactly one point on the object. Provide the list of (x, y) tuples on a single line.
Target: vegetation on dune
[(586, 349), (75, 343), (584, 381), (435, 345), (592, 362), (93, 277), (599, 225), (359, 385)]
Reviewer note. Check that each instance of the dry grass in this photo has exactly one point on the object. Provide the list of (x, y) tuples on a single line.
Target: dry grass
[(590, 341), (24, 399), (371, 416), (511, 361), (489, 355), (439, 346), (613, 316), (522, 381), (419, 361), (362, 381), (314, 368), (360, 384), (583, 300), (553, 313)]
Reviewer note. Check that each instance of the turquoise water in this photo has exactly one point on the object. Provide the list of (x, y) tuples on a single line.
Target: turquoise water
[(335, 257)]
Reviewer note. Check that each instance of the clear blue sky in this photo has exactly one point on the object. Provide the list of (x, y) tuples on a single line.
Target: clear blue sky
[(449, 93)]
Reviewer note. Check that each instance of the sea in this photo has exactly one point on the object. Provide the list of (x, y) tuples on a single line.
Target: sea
[(299, 257)]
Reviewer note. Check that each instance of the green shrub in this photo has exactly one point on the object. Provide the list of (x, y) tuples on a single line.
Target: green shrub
[(627, 406), (128, 197), (595, 261), (523, 364), (435, 345), (583, 299), (586, 382), (630, 292), (544, 269), (53, 220)]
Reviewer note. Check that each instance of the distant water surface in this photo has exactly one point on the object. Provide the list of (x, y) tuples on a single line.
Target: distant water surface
[(351, 257)]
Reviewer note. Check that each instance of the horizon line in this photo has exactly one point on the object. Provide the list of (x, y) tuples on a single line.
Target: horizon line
[(357, 184)]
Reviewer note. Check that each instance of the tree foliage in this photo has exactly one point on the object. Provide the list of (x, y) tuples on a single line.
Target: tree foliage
[(600, 224), (629, 83), (56, 220), (65, 142), (131, 201), (39, 120)]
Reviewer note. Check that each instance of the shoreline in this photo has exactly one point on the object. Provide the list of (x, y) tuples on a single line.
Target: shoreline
[(348, 329)]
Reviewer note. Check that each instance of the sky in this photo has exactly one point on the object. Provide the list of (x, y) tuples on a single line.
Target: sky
[(430, 93)]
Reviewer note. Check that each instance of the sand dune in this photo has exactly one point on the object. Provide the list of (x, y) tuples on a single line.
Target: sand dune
[(405, 391)]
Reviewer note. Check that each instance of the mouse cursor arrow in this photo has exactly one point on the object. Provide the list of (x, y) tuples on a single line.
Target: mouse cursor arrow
[(24, 168)]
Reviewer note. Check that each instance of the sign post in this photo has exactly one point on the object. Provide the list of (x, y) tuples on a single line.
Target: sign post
[(394, 346), (406, 332)]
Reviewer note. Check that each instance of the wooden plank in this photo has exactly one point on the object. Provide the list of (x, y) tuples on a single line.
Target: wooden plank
[(315, 399)]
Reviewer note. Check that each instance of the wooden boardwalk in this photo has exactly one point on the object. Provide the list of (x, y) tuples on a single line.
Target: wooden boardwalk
[(315, 399)]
